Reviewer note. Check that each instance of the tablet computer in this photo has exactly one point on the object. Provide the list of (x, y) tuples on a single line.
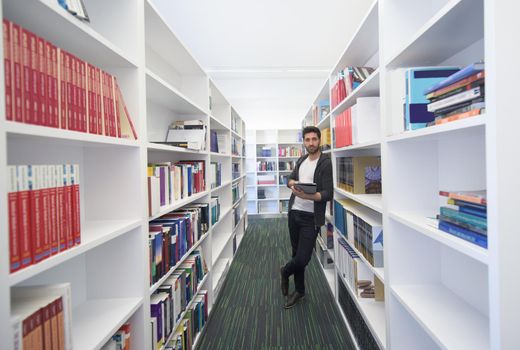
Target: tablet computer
[(309, 188)]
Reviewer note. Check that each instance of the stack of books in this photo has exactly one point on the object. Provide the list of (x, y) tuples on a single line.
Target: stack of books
[(465, 216), (459, 96), (187, 134), (346, 81), (44, 212), (48, 86), (267, 179)]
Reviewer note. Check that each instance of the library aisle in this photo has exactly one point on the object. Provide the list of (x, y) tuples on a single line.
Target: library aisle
[(249, 313)]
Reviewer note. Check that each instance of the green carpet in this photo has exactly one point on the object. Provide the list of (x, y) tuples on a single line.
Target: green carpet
[(249, 311)]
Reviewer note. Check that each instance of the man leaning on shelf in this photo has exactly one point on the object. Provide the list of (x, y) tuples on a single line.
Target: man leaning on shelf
[(306, 211)]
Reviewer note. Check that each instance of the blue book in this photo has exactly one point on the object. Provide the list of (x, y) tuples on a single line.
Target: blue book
[(416, 81), (467, 71), (473, 211), (463, 233), (339, 217)]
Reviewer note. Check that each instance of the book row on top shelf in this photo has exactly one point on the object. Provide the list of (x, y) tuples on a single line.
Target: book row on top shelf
[(96, 121)]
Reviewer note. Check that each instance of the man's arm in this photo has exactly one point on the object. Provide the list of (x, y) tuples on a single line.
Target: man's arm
[(293, 177), (328, 186)]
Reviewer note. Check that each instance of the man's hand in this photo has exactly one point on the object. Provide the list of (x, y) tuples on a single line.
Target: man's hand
[(299, 193)]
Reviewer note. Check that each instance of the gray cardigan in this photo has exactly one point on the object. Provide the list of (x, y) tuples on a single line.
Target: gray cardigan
[(324, 185)]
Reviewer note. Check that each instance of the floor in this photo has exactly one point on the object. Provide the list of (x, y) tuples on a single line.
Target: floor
[(249, 311)]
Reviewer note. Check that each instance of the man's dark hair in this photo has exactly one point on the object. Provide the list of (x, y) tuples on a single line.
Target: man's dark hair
[(309, 129)]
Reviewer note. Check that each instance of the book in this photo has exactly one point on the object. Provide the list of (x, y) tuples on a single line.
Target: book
[(457, 76), (477, 197), (76, 8), (308, 188)]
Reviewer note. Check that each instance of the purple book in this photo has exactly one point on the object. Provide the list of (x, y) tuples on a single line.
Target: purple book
[(156, 312), (162, 176)]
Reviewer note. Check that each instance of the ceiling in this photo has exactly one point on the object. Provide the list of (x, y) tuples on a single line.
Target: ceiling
[(270, 58)]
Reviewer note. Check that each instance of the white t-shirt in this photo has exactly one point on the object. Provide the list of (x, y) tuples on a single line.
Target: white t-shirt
[(305, 174)]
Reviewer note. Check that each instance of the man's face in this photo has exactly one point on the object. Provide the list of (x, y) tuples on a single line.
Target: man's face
[(311, 142)]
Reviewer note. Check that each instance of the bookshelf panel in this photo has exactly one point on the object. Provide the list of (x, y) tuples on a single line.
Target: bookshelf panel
[(96, 42), (424, 36)]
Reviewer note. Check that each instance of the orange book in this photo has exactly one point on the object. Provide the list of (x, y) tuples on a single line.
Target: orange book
[(458, 116)]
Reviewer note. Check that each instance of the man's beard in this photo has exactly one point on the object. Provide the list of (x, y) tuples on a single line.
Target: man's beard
[(315, 150)]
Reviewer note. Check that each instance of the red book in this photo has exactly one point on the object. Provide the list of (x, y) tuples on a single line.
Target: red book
[(106, 108), (111, 101), (35, 213), (45, 217), (15, 262), (68, 206), (92, 115), (63, 89), (8, 78), (99, 99), (16, 37), (83, 94), (52, 84), (71, 125), (27, 77), (76, 122), (61, 210), (53, 210), (24, 222), (35, 79), (117, 103), (42, 80), (76, 214)]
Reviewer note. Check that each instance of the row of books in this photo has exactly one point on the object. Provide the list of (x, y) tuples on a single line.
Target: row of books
[(289, 151), (48, 86), (326, 139), (359, 123), (235, 170), (362, 228), (169, 182), (171, 299), (284, 179), (172, 235), (215, 210), (327, 235), (184, 133), (319, 111), (191, 325), (286, 165), (266, 179), (215, 173), (265, 151), (236, 147), (120, 340), (359, 175), (346, 81), (42, 317), (236, 193), (218, 142), (44, 212), (265, 166), (426, 96), (465, 215)]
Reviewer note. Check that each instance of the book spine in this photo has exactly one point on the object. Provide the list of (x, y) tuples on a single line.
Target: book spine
[(46, 212), (463, 217), (456, 99), (35, 80), (23, 210), (466, 235), (63, 99), (17, 60), (76, 221), (68, 206), (106, 104), (83, 89), (111, 101), (49, 74), (35, 213), (42, 71), (53, 210), (61, 207), (12, 205), (8, 74), (27, 77), (70, 92), (76, 117), (117, 103), (99, 101), (60, 316), (46, 327), (91, 103)]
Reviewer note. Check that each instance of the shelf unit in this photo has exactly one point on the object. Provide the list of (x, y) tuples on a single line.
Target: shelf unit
[(161, 82), (440, 291), (275, 193)]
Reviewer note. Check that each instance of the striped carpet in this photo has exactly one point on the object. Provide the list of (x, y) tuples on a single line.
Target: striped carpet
[(248, 313)]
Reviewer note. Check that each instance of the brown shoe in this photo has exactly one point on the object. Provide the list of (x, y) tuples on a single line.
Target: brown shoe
[(293, 299), (284, 282)]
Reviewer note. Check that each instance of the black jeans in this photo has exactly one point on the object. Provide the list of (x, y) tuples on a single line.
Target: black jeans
[(303, 233)]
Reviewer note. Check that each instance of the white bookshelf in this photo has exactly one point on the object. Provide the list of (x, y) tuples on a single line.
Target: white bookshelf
[(440, 291), (161, 82), (275, 193)]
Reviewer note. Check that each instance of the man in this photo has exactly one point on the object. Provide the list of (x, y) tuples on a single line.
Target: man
[(306, 211)]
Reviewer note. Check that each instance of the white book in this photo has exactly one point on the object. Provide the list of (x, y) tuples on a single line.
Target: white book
[(367, 119), (397, 94), (155, 194)]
